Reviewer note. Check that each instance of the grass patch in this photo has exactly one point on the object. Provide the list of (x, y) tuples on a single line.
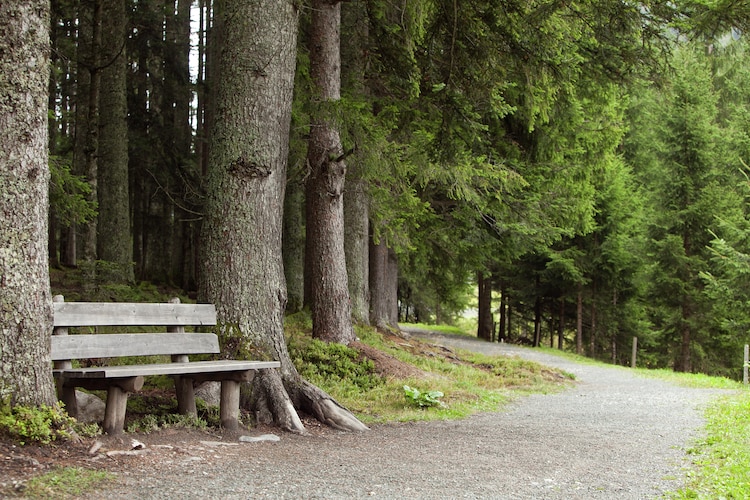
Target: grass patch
[(454, 330), (374, 388), (68, 482), (692, 380), (722, 458)]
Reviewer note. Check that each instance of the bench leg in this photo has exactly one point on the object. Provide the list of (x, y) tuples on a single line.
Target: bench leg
[(68, 396), (185, 395), (114, 412), (229, 409)]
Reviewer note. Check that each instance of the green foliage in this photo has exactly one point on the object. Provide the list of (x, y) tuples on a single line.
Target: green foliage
[(423, 399), (334, 363), (35, 425), (68, 194)]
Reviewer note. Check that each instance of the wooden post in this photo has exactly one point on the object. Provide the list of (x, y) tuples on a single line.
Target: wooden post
[(183, 386), (65, 394), (229, 407), (635, 351), (745, 364), (114, 412)]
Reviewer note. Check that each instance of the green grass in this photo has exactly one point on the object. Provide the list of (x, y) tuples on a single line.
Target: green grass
[(470, 382), (461, 329), (69, 482), (722, 458), (693, 380)]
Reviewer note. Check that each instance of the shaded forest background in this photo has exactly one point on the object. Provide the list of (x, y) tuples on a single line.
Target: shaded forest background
[(581, 166)]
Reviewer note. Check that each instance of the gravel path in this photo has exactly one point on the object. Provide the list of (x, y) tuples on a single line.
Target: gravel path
[(614, 435)]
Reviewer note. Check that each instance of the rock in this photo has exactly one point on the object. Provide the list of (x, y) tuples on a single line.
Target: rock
[(95, 447), (214, 444), (262, 437), (90, 408), (210, 392)]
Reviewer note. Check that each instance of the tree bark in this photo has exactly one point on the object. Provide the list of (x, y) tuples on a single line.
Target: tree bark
[(294, 244), (501, 331), (242, 264), (484, 320), (356, 199), (561, 325), (537, 322), (383, 286), (89, 47), (114, 243), (357, 249), (325, 260), (25, 299), (579, 321)]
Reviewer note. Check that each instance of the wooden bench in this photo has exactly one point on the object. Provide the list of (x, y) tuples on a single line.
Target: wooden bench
[(118, 381)]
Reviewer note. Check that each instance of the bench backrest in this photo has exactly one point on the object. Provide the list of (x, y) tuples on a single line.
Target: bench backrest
[(69, 314), (113, 345), (174, 316)]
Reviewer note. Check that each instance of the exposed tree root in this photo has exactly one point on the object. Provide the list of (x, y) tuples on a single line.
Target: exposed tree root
[(277, 403), (272, 403), (315, 401)]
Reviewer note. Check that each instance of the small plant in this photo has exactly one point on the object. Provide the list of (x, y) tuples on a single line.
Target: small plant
[(30, 424), (423, 399)]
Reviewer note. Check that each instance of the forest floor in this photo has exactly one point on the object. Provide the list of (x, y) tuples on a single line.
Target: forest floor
[(613, 435)]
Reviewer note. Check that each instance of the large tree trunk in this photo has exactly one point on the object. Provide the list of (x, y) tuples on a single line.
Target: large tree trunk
[(87, 121), (537, 322), (484, 319), (325, 256), (179, 94), (294, 244), (561, 324), (579, 320), (25, 300), (357, 249), (114, 243), (501, 331), (684, 362), (242, 263), (383, 286), (356, 199)]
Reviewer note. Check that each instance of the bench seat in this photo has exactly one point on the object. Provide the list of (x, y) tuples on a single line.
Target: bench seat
[(205, 370)]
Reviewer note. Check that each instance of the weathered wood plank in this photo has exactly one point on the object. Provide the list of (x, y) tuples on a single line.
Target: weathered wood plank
[(132, 314), (220, 368), (132, 344)]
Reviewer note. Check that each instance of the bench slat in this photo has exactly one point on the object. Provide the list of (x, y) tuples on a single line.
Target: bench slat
[(132, 344), (196, 367), (69, 314)]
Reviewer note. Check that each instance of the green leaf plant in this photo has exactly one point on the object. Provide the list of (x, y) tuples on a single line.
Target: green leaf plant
[(423, 399)]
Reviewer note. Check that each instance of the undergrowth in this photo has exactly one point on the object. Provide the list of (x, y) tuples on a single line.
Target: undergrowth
[(31, 425)]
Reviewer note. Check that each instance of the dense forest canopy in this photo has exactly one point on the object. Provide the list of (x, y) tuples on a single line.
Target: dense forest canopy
[(583, 165)]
